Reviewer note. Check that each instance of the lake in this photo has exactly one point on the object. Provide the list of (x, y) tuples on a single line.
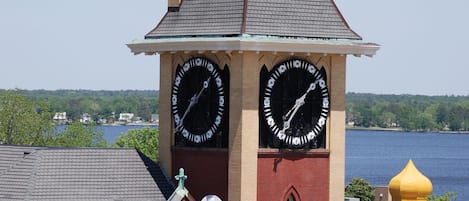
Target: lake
[(112, 132), (377, 156)]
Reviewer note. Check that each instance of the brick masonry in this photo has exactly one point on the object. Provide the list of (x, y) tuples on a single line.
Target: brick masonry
[(306, 172)]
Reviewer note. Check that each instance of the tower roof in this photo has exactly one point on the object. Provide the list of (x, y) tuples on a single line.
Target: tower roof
[(225, 18)]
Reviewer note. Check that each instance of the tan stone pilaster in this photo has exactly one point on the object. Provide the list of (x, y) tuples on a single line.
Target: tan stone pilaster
[(244, 127), (337, 128), (165, 126)]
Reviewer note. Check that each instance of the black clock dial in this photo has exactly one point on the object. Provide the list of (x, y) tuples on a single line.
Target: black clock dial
[(198, 100), (295, 102)]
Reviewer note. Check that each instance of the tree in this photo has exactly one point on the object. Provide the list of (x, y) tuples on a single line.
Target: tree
[(442, 114), (448, 196), (145, 140), (22, 122), (80, 135), (359, 188)]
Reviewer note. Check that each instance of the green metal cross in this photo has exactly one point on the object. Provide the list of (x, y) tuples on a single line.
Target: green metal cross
[(181, 178)]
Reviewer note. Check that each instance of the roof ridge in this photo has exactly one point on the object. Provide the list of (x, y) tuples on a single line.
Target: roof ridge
[(16, 163), (28, 157), (33, 175), (245, 13)]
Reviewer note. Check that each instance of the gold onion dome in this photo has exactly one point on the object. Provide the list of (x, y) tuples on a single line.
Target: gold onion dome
[(410, 184)]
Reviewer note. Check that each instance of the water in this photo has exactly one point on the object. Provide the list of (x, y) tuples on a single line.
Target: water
[(112, 132), (377, 156)]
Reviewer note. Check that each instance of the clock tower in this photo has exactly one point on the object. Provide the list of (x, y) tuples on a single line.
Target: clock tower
[(252, 96)]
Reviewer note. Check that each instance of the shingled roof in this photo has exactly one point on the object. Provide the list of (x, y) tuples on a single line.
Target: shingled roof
[(42, 173), (295, 18)]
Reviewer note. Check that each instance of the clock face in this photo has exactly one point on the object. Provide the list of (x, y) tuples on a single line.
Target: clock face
[(198, 100), (295, 103)]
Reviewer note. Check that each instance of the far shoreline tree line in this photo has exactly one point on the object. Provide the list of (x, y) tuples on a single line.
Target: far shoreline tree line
[(408, 112)]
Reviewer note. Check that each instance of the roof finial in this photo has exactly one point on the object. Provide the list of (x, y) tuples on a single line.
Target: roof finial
[(181, 190)]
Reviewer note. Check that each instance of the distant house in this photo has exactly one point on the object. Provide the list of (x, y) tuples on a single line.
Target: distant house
[(44, 173), (155, 118), (126, 117), (86, 118), (60, 117), (112, 118)]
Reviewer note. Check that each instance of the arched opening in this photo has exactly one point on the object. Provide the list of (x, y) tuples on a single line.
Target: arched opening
[(291, 195)]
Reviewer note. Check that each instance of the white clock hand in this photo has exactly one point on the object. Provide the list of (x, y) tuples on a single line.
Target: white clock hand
[(194, 100), (298, 103)]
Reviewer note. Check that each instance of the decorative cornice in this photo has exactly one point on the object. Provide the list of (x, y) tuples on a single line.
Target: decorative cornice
[(252, 43)]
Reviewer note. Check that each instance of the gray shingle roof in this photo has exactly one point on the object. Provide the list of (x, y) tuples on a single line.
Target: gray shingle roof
[(40, 173), (202, 17), (295, 18)]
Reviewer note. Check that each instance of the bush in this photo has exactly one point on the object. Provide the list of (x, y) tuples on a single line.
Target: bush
[(145, 140), (448, 196), (359, 188)]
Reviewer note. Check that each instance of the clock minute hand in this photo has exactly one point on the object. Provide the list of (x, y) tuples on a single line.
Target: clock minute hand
[(205, 85), (298, 103), (194, 100)]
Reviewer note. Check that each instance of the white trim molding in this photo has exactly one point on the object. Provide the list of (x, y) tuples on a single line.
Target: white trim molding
[(257, 44)]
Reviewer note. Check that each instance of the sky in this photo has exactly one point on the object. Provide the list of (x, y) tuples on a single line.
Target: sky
[(80, 44)]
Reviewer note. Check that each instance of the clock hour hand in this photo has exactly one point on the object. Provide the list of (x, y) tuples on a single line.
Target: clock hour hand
[(194, 100), (298, 103)]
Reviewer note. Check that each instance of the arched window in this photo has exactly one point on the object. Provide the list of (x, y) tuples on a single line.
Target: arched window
[(291, 194)]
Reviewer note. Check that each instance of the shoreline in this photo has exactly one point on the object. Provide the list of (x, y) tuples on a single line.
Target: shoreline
[(400, 130), (131, 124)]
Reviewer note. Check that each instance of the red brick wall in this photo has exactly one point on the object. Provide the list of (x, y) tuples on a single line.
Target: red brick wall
[(206, 170), (306, 173)]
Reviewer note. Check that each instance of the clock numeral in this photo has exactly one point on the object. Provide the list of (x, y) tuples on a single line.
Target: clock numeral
[(219, 82), (266, 102), (221, 101), (174, 100), (185, 133), (198, 61), (177, 81), (282, 69), (210, 68), (311, 69), (186, 67), (297, 63)]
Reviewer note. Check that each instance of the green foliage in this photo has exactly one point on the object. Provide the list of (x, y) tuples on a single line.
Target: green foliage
[(409, 112), (80, 135), (145, 140), (22, 122), (448, 196), (99, 104), (26, 122), (359, 188)]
